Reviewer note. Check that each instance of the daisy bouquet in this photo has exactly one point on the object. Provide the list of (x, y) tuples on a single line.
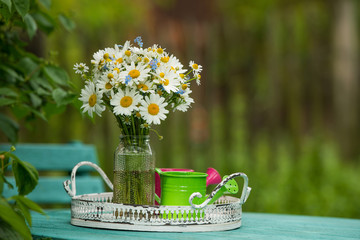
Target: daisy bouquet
[(140, 86)]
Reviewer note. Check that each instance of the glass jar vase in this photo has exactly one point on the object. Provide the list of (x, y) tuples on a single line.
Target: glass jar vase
[(134, 171)]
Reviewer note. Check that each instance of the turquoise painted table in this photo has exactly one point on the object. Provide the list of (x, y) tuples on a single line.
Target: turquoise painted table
[(254, 226)]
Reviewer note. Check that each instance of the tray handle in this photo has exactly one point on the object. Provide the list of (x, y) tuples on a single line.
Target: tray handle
[(244, 195), (72, 192)]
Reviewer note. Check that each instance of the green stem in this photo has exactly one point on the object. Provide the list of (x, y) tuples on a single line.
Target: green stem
[(189, 72), (156, 132), (191, 80), (133, 124)]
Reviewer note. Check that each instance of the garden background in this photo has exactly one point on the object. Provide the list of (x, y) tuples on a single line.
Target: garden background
[(278, 99)]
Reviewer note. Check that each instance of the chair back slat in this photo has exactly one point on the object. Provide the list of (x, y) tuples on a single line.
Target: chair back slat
[(54, 163)]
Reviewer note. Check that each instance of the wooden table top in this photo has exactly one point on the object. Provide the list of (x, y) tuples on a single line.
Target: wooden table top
[(57, 225)]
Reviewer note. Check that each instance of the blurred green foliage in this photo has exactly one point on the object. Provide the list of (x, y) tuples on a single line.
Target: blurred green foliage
[(269, 105), (31, 88)]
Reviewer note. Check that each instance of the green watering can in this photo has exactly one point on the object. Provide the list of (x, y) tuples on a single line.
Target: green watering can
[(189, 188)]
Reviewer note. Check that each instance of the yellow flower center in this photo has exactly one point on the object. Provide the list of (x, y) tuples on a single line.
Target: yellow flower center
[(106, 56), (92, 100), (184, 86), (108, 60), (127, 53), (158, 64), (108, 85), (126, 101), (146, 60), (153, 109), (162, 75), (119, 60), (110, 76), (139, 59), (160, 50), (116, 69), (195, 66), (182, 75), (172, 68), (134, 73), (165, 59), (159, 92), (166, 82), (138, 114), (143, 87), (199, 76)]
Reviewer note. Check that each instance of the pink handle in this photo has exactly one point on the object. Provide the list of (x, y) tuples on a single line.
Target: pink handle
[(213, 177)]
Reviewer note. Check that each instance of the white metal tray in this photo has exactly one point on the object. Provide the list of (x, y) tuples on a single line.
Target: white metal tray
[(97, 211)]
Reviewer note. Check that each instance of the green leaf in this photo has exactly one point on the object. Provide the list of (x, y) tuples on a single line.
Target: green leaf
[(30, 204), (44, 22), (7, 232), (25, 205), (46, 3), (61, 97), (31, 25), (28, 66), (20, 111), (15, 221), (9, 128), (41, 85), (38, 114), (67, 22), (7, 3), (26, 176), (24, 110), (58, 95), (4, 180), (7, 92), (24, 211), (9, 74), (22, 6), (52, 109), (5, 12), (57, 75), (35, 100), (7, 101)]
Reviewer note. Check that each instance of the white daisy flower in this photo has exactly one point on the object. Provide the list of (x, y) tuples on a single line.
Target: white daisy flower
[(120, 48), (197, 68), (152, 109), (81, 68), (146, 87), (127, 120), (105, 84), (197, 78), (186, 101), (137, 74), (138, 51), (91, 100), (98, 56), (150, 53), (167, 78), (176, 64), (125, 102)]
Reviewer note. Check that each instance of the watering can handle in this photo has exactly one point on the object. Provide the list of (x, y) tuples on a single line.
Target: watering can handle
[(244, 195), (72, 192)]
